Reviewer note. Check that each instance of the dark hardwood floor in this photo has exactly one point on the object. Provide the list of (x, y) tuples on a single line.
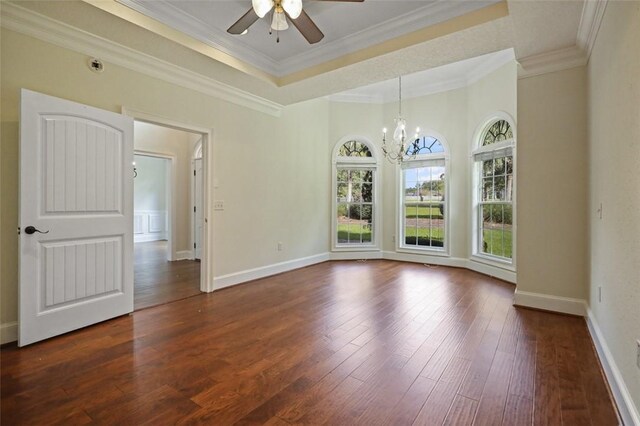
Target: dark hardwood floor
[(337, 343), (158, 281)]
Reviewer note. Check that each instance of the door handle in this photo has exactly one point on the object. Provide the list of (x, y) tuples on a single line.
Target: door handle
[(32, 230)]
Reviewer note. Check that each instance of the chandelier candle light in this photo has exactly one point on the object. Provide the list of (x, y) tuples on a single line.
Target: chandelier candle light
[(279, 21), (396, 150)]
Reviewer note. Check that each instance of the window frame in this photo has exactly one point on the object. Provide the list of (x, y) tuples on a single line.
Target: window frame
[(476, 181), (373, 162), (401, 246)]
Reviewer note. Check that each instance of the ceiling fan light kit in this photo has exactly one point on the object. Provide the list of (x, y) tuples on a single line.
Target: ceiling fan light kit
[(282, 10)]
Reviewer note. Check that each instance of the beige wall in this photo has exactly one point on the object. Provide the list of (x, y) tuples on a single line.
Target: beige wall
[(552, 194), (180, 145), (269, 170), (614, 181)]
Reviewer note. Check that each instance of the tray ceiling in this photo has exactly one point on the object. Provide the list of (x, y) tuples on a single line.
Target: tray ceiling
[(348, 27)]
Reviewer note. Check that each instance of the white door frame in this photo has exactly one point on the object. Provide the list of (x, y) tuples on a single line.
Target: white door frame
[(206, 265), (171, 186)]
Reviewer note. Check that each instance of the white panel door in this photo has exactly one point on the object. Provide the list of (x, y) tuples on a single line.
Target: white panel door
[(76, 216), (198, 208)]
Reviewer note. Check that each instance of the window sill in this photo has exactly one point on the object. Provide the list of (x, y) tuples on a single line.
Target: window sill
[(424, 252), (491, 261), (355, 248)]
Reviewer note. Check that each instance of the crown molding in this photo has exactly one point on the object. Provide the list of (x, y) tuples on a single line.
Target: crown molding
[(555, 60), (592, 14), (24, 21), (172, 16), (434, 13)]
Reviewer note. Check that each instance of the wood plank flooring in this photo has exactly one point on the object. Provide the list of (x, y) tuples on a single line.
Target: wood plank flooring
[(339, 343), (158, 281)]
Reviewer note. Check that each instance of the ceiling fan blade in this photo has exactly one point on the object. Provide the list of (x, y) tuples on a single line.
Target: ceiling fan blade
[(307, 28), (243, 23)]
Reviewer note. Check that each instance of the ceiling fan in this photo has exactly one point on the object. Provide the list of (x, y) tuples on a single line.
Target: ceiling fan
[(282, 9)]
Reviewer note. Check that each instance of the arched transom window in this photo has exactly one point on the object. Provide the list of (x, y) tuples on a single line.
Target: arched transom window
[(354, 190), (495, 180)]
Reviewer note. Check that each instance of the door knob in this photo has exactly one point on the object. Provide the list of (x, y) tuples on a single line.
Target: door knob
[(32, 230)]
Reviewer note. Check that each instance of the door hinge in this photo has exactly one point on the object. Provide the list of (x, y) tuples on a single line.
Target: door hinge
[(194, 172), (194, 245), (18, 230), (194, 209)]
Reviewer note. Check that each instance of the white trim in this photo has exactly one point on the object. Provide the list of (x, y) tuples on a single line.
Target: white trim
[(621, 394), (400, 220), (566, 305), (477, 258), (24, 21), (429, 259), (265, 271), (356, 255), (207, 265), (554, 60), (184, 255), (431, 14), (592, 14), (8, 332), (354, 163), (492, 270)]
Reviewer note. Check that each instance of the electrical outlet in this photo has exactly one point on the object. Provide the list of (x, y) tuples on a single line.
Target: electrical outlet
[(599, 294), (638, 353), (280, 245), (393, 238), (218, 205)]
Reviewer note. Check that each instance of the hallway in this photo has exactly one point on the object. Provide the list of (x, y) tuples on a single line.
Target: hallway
[(158, 281)]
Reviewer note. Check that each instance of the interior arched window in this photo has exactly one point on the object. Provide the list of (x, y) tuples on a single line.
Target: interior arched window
[(494, 178), (423, 196), (354, 189)]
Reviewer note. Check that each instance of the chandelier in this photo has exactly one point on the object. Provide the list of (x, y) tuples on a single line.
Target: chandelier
[(395, 150)]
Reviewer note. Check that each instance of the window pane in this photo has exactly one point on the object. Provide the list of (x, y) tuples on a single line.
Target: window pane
[(355, 233), (367, 192), (487, 168), (367, 213), (498, 166), (366, 232), (487, 189), (367, 176), (342, 190), (355, 176), (356, 192), (499, 188), (343, 223), (509, 165), (342, 175)]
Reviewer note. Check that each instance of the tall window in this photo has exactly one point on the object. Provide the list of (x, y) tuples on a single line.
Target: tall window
[(354, 195), (494, 170), (423, 196)]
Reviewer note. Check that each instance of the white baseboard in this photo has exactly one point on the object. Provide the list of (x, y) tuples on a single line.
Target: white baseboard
[(355, 255), (621, 394), (8, 332), (425, 258), (265, 271), (493, 271), (184, 255), (546, 302)]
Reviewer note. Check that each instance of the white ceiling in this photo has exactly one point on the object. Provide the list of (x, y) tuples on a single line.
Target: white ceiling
[(348, 27)]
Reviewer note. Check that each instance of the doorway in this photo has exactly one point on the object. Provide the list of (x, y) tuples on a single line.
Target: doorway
[(166, 267)]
